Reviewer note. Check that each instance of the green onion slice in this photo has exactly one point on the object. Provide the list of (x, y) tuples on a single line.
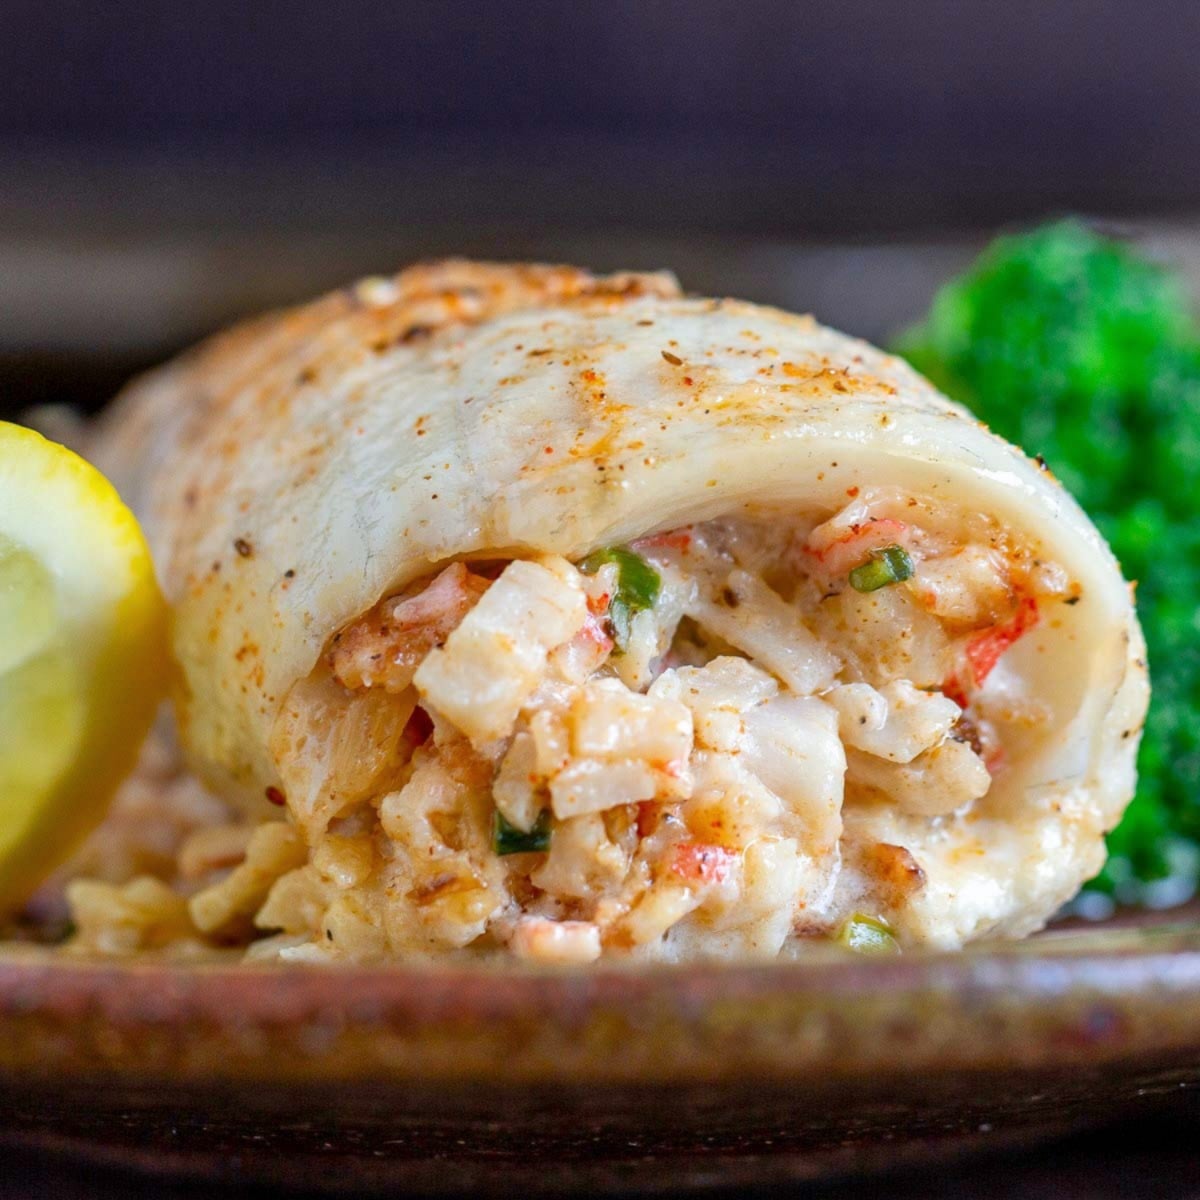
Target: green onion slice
[(868, 935), (889, 565), (508, 839), (638, 586)]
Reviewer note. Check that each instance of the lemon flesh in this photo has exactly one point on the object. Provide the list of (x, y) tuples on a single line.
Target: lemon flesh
[(82, 652)]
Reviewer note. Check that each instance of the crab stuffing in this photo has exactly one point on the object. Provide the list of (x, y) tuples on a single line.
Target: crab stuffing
[(679, 747)]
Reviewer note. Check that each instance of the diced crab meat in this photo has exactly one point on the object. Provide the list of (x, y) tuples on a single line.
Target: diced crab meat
[(750, 615), (860, 707), (968, 588), (589, 785), (539, 939), (729, 805), (493, 662), (912, 722), (581, 657), (702, 863), (551, 741), (584, 860), (623, 748), (984, 650), (718, 694), (849, 539), (792, 745), (517, 786), (773, 875), (935, 783), (609, 721), (385, 647), (656, 910)]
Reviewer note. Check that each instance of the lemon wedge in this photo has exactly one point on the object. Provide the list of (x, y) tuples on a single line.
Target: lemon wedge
[(83, 662)]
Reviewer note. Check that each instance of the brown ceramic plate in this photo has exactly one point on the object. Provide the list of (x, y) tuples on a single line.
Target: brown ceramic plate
[(502, 1080)]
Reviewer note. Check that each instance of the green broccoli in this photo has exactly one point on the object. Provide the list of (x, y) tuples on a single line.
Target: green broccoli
[(1077, 348)]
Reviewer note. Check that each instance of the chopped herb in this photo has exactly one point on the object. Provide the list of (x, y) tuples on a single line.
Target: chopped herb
[(889, 565), (867, 935), (638, 586), (508, 839)]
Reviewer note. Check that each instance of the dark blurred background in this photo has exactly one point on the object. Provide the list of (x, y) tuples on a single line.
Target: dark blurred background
[(166, 167)]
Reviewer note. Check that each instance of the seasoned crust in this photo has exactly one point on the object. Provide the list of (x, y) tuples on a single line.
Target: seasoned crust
[(274, 355)]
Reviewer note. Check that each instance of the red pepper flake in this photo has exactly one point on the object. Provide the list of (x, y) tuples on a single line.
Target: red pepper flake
[(700, 862), (984, 650), (673, 359), (276, 797), (243, 547)]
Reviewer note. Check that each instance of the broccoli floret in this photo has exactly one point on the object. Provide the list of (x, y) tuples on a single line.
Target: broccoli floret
[(1077, 348)]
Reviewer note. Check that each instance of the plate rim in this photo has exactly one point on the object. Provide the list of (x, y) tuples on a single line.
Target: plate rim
[(1094, 998)]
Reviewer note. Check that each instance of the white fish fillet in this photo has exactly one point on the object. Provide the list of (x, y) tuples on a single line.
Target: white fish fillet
[(295, 470)]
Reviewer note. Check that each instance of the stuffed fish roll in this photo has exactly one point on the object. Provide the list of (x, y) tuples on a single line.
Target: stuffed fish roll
[(521, 610)]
